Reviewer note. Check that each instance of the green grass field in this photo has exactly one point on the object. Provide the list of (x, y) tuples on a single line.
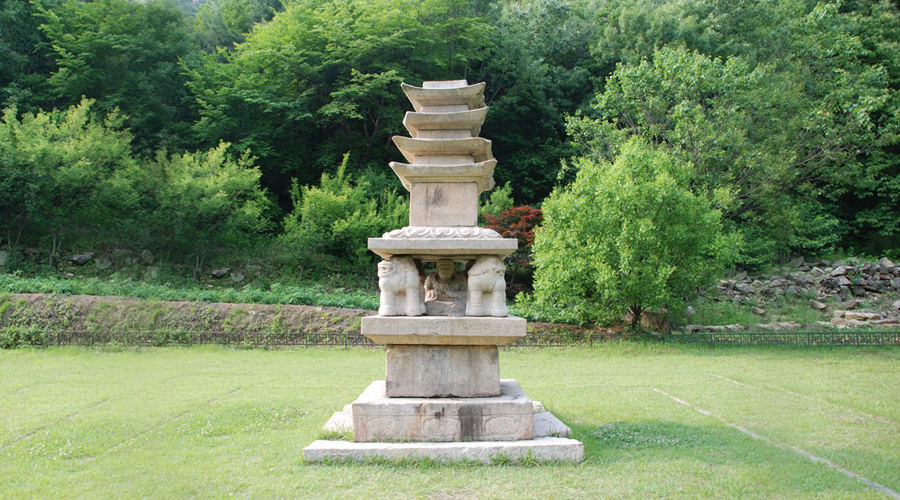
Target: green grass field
[(656, 421)]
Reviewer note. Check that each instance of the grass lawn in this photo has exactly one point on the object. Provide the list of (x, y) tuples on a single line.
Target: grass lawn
[(656, 421)]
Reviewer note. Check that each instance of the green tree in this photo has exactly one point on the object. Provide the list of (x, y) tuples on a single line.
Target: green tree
[(790, 105), (336, 218), (62, 174), (209, 199), (322, 78), (125, 55), (223, 23), (772, 146), (625, 236)]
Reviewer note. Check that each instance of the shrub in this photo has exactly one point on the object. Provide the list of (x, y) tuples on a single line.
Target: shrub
[(626, 236)]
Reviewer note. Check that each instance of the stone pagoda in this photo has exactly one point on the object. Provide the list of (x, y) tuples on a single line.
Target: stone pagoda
[(442, 397)]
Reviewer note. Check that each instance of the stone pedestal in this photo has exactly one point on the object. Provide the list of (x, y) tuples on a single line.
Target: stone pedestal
[(424, 371), (506, 417)]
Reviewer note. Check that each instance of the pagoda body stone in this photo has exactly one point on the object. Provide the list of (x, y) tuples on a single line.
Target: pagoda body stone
[(441, 330)]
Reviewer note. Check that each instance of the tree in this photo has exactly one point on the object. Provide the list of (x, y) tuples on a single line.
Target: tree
[(770, 146), (209, 199), (322, 78), (625, 236), (336, 218), (63, 173), (124, 55)]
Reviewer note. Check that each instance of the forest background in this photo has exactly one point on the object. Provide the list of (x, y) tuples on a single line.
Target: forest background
[(257, 132)]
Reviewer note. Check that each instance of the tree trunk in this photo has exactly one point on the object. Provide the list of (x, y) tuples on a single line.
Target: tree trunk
[(636, 312)]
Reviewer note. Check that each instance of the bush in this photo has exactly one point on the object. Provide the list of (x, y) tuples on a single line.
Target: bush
[(337, 217), (626, 236)]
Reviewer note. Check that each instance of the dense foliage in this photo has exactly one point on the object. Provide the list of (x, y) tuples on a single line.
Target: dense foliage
[(626, 236), (126, 121)]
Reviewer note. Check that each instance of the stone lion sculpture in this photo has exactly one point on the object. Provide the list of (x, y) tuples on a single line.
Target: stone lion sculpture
[(487, 288), (402, 293)]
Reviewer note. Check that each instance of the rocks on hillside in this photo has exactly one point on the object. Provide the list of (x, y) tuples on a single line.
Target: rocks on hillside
[(839, 281), (839, 285)]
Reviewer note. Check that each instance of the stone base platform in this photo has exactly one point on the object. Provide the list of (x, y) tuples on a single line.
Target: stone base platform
[(550, 443), (507, 417), (541, 449)]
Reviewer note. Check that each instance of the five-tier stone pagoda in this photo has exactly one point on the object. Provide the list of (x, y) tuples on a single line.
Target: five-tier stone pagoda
[(442, 397)]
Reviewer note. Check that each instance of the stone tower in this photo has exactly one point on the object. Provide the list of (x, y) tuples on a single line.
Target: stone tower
[(441, 330)]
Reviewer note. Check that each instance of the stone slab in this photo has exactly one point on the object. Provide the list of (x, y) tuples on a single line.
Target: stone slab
[(508, 417), (547, 425), (446, 204), (459, 125), (456, 95), (479, 173), (548, 449), (444, 330), (437, 151), (425, 371), (433, 249)]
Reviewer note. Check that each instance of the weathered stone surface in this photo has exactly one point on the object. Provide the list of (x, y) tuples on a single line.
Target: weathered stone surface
[(896, 305), (508, 417), (445, 290), (219, 273), (546, 424), (434, 248), (455, 95), (780, 325), (402, 293), (449, 125), (850, 304), (862, 316), (839, 271), (103, 263), (444, 151), (758, 311), (481, 173), (147, 257), (818, 306), (548, 449), (443, 204), (444, 330), (4, 258), (81, 258), (487, 288), (422, 371)]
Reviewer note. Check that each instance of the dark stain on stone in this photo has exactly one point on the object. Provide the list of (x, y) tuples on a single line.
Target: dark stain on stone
[(439, 414), (471, 422), (437, 195)]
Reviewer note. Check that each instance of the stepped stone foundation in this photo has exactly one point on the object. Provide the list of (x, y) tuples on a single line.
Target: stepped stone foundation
[(442, 397)]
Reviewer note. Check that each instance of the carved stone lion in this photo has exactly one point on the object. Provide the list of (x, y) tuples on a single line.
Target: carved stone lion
[(487, 288), (402, 293)]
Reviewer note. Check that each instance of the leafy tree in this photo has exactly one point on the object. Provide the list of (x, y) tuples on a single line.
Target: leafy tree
[(62, 174), (24, 62), (625, 236), (222, 23), (322, 78), (125, 55), (538, 69), (789, 106), (500, 199), (209, 199), (769, 146), (337, 217)]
